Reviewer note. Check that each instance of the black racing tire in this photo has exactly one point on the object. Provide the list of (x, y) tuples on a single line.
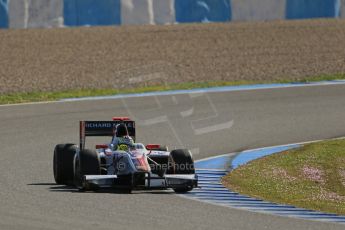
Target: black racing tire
[(183, 163), (182, 190), (87, 163), (63, 163)]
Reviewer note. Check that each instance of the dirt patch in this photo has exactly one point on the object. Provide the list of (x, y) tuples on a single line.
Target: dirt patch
[(282, 174), (313, 174), (328, 196), (117, 57)]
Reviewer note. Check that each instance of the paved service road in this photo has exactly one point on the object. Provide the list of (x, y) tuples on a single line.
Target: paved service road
[(210, 124)]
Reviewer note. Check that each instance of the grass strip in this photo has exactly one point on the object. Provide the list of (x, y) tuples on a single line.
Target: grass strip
[(311, 177), (38, 96)]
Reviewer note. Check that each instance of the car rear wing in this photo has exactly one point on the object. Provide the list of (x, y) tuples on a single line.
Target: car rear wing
[(103, 128)]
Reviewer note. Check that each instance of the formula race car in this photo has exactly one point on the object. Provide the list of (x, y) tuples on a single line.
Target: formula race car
[(123, 167)]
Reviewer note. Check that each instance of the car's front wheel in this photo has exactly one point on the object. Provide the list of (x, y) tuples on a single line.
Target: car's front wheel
[(182, 163), (87, 162)]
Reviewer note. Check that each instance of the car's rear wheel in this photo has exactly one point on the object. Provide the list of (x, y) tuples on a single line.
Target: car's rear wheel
[(87, 162), (182, 163), (63, 163)]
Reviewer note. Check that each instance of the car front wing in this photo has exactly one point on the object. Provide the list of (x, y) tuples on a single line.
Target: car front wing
[(149, 181)]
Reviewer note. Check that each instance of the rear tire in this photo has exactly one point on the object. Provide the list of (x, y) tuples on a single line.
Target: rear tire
[(183, 163), (63, 163)]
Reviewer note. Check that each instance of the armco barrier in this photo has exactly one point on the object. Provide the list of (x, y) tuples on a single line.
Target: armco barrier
[(258, 10), (151, 12), (35, 13), (164, 11), (202, 10), (302, 9), (92, 12), (58, 13), (3, 14), (137, 12)]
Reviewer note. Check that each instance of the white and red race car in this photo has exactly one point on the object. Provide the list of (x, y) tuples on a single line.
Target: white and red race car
[(139, 167)]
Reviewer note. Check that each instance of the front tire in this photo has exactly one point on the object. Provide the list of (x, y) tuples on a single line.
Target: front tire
[(183, 163), (63, 163), (87, 162)]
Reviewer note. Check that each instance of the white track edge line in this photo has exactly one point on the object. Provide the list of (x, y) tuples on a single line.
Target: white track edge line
[(191, 91)]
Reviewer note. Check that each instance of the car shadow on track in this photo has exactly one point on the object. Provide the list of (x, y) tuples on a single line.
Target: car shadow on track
[(67, 188), (56, 187)]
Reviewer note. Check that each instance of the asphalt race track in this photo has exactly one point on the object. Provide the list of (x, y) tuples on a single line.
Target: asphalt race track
[(210, 124)]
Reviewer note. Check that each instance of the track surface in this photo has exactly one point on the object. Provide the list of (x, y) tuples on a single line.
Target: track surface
[(31, 200)]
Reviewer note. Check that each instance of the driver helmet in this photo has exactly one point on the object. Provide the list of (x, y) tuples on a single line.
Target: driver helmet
[(121, 130)]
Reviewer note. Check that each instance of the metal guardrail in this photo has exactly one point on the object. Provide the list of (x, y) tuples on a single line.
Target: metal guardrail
[(59, 13)]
